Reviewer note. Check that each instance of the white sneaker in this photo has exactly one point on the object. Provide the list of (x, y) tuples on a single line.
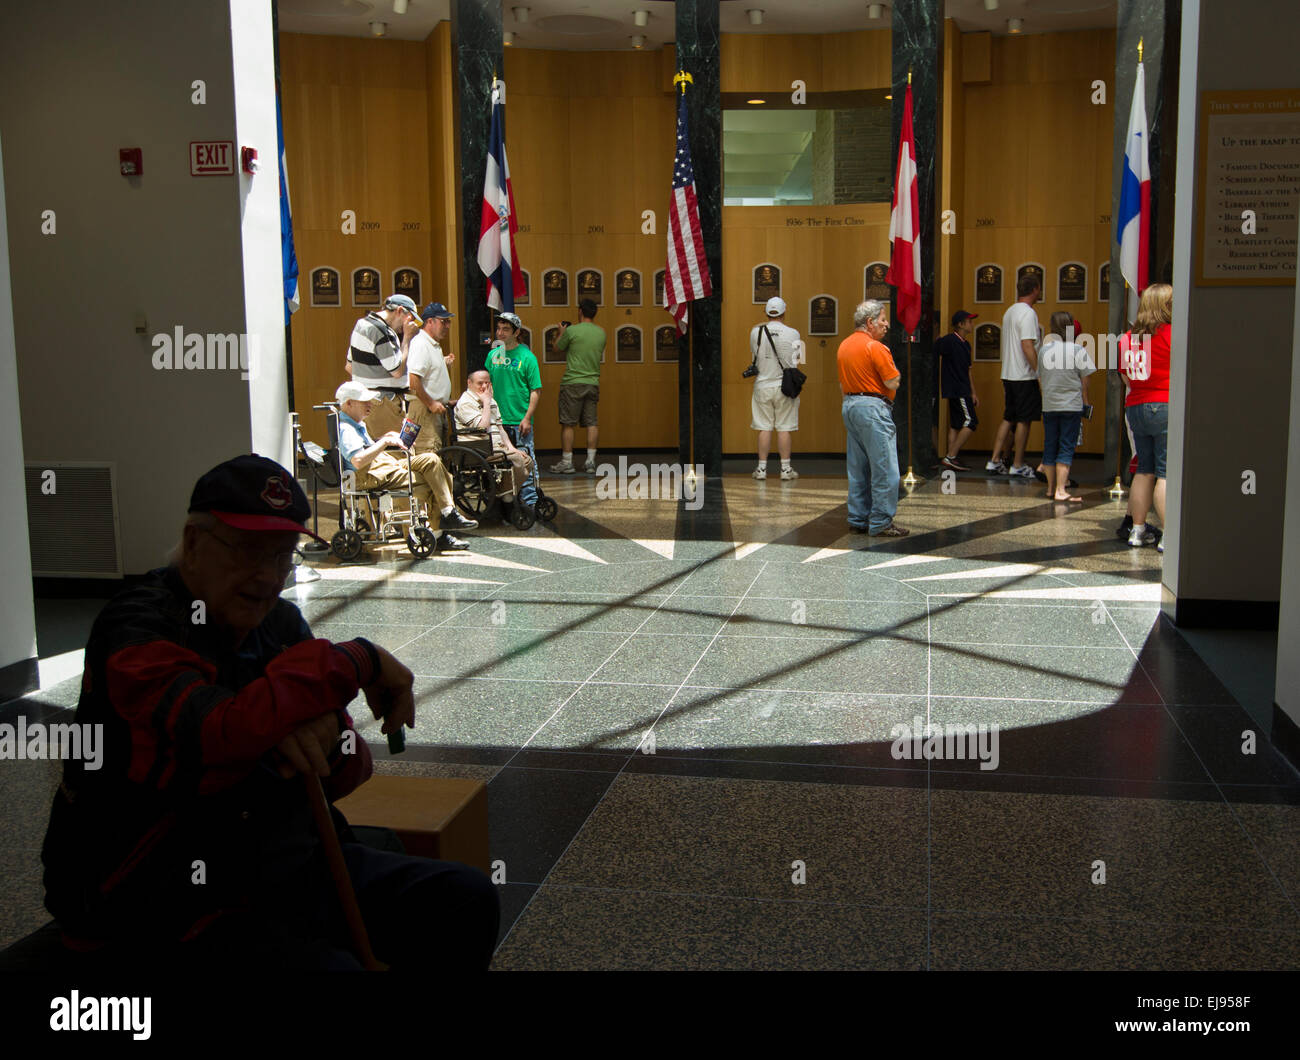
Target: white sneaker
[(1023, 471), (590, 467), (1140, 536), (996, 467), (760, 473), (564, 467), (788, 473)]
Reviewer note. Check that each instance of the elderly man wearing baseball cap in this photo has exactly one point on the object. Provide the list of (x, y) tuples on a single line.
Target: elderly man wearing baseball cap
[(427, 366), (191, 843), (376, 469), (377, 358), (775, 347)]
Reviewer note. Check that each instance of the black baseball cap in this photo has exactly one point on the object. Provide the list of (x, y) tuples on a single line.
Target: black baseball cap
[(962, 315), (253, 493), (436, 311)]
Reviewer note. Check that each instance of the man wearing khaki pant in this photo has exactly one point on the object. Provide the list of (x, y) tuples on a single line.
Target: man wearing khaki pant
[(430, 381)]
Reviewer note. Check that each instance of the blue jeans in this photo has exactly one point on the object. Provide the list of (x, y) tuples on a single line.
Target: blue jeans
[(1150, 425), (527, 491), (872, 454), (1060, 435)]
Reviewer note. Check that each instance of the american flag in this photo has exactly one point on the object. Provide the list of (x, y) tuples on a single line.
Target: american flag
[(687, 276)]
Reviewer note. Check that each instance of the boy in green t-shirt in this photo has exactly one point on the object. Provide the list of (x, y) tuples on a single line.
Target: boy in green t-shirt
[(516, 386), (582, 344)]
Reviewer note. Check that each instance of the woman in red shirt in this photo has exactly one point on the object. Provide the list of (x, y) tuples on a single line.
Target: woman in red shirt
[(1144, 362)]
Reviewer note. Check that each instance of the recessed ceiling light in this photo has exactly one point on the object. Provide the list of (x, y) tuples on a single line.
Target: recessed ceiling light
[(755, 101), (990, 5), (638, 41), (520, 13), (755, 16), (507, 38), (378, 29), (399, 7), (875, 11), (1015, 25), (640, 18)]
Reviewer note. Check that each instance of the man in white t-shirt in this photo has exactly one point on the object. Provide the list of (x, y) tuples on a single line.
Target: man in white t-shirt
[(1021, 336), (426, 364), (775, 347)]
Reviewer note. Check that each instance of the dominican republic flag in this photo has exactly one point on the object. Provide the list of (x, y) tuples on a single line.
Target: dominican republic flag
[(288, 257), (904, 221), (496, 241), (1133, 226), (687, 276)]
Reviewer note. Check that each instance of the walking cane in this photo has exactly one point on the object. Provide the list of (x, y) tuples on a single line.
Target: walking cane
[(320, 812)]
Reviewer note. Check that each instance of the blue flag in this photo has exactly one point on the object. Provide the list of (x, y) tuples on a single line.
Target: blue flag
[(288, 258)]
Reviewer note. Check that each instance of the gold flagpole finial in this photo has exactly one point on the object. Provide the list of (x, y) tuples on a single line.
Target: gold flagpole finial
[(682, 78), (909, 75), (1140, 49)]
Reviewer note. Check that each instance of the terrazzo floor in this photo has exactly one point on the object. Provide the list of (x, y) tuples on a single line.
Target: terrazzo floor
[(687, 721)]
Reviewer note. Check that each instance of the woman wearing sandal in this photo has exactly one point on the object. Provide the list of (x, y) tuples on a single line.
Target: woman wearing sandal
[(1063, 367)]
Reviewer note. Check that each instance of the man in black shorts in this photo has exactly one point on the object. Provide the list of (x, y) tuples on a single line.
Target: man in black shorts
[(1024, 402), (953, 351)]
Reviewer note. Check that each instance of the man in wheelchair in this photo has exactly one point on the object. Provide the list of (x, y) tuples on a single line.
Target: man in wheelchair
[(478, 419), (376, 469)]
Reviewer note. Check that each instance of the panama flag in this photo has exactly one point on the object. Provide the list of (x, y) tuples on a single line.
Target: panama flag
[(496, 240), (1133, 226), (904, 235), (288, 257)]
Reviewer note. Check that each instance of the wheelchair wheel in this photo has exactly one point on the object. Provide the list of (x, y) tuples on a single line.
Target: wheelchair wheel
[(421, 541), (473, 485), (547, 509), (522, 516), (346, 544)]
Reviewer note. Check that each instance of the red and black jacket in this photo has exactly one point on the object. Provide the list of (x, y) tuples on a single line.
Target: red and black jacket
[(187, 816)]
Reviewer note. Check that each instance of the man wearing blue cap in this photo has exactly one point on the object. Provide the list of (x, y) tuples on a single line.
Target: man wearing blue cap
[(426, 365), (192, 845), (377, 359)]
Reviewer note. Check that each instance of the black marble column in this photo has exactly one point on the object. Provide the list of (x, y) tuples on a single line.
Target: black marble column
[(700, 375), (917, 45), (1158, 24), (477, 52)]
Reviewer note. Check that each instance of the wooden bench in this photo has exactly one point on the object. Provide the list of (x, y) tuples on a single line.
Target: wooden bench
[(443, 818)]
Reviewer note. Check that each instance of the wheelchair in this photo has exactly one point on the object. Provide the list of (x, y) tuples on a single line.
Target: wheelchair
[(381, 520), (481, 477)]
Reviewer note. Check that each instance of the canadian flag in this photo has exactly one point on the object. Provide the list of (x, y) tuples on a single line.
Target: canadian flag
[(904, 237)]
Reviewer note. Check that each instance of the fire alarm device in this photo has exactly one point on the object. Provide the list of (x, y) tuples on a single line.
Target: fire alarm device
[(131, 160), (248, 160)]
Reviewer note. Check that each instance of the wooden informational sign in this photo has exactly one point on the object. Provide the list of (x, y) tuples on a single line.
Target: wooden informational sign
[(1248, 195)]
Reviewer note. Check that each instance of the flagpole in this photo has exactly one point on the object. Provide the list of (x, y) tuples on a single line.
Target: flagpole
[(1117, 491)]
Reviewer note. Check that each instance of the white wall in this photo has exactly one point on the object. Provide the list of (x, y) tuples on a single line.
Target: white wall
[(78, 80), (1230, 392), (17, 617)]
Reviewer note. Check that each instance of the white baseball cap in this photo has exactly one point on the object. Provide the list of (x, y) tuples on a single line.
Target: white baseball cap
[(354, 391), (775, 307)]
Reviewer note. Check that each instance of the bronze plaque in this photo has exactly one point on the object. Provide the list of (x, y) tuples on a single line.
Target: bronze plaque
[(628, 344), (627, 288), (988, 343), (823, 315), (1103, 283), (527, 297), (555, 287), (365, 287), (1072, 282), (767, 283), (666, 343), (525, 337), (550, 355), (874, 284), (1031, 270), (659, 287), (988, 283), (591, 284), (407, 282), (324, 286)]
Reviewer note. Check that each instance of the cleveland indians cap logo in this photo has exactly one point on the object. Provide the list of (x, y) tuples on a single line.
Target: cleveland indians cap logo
[(277, 493)]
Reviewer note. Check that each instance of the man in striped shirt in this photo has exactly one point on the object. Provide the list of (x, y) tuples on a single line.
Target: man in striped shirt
[(377, 359)]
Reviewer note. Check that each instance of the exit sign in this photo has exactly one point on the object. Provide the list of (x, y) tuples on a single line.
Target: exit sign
[(211, 157)]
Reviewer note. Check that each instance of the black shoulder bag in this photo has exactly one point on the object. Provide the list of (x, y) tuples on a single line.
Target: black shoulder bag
[(792, 380)]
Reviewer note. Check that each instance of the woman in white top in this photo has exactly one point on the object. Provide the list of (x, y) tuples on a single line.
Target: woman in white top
[(1063, 365)]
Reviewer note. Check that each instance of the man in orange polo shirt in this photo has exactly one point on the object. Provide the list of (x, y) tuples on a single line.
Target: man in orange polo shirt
[(869, 379)]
